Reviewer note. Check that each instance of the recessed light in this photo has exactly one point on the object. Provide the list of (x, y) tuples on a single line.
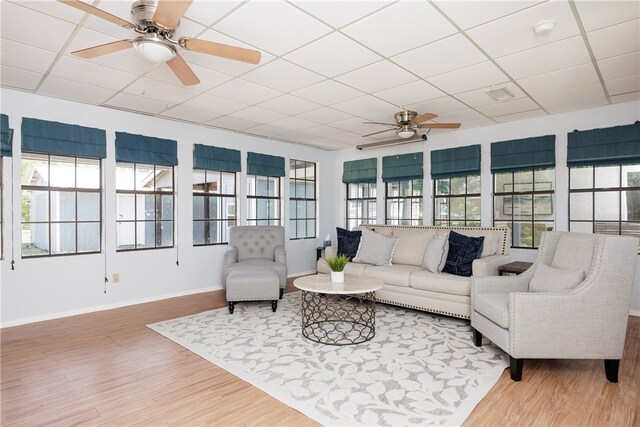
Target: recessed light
[(544, 27)]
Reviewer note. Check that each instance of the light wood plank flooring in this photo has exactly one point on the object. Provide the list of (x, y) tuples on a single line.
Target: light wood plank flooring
[(108, 368)]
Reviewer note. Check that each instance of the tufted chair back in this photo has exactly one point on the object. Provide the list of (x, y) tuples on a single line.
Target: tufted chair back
[(256, 242)]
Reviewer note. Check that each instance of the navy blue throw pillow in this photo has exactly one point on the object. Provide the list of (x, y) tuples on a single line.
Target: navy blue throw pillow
[(462, 251), (348, 242)]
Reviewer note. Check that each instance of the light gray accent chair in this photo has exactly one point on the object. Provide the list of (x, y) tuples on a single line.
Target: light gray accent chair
[(587, 321), (257, 247)]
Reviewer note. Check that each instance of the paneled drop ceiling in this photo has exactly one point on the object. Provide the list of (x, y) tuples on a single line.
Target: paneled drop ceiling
[(327, 66)]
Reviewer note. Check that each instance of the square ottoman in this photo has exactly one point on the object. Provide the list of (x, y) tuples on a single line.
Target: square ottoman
[(253, 284)]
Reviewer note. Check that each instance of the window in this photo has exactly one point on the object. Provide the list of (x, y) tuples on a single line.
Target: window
[(263, 200), (144, 206), (61, 205), (457, 201), (361, 204), (404, 202), (1, 208), (214, 206), (605, 199), (302, 199), (524, 201)]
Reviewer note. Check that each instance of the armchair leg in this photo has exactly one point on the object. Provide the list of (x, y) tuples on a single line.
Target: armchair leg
[(611, 367), (281, 293), (274, 305), (231, 307), (516, 368), (477, 338)]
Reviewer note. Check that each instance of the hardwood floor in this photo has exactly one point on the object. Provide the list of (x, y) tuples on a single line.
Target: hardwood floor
[(108, 368)]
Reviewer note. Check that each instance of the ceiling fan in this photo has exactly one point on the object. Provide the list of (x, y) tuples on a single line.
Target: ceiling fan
[(156, 23)]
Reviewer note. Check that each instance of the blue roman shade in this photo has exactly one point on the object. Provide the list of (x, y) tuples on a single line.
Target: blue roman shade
[(608, 146), (216, 158), (6, 135), (41, 136), (402, 167), (265, 165), (458, 161), (145, 149), (521, 154), (360, 171)]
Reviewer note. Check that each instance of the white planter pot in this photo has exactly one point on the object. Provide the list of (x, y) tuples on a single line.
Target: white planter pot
[(337, 276)]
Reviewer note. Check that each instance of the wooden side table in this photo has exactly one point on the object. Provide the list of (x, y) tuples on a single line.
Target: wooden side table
[(319, 250), (515, 267)]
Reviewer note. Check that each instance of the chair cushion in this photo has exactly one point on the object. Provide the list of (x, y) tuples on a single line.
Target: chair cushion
[(440, 282), (574, 252), (462, 251), (252, 284), (375, 248), (396, 274), (550, 279), (493, 306), (435, 256), (348, 242)]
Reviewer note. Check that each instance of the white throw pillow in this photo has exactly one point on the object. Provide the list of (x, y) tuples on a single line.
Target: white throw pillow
[(550, 279), (435, 256), (375, 248)]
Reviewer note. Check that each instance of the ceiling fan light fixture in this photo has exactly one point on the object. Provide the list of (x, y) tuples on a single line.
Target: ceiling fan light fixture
[(154, 50), (405, 132)]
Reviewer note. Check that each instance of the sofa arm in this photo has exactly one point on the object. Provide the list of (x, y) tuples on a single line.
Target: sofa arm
[(330, 252), (230, 256), (280, 255), (488, 266)]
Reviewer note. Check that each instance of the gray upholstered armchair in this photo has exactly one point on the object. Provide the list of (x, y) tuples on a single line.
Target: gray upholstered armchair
[(257, 247), (573, 303)]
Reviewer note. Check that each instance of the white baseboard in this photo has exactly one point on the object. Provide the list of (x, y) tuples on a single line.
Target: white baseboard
[(634, 313), (104, 307)]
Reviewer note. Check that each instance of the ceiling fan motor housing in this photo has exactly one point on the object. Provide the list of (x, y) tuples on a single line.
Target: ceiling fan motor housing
[(142, 12), (404, 117)]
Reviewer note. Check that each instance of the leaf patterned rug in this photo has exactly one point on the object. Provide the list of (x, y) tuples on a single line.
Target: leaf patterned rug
[(419, 369)]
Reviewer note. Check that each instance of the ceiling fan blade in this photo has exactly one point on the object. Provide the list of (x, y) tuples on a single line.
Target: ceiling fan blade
[(182, 71), (169, 12), (219, 49), (98, 12), (103, 49), (392, 142), (378, 123), (439, 126), (423, 118), (375, 133)]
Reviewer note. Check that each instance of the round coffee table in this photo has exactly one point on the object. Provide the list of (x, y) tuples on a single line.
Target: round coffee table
[(338, 313)]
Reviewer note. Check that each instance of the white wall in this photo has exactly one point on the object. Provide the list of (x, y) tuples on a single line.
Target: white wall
[(51, 287)]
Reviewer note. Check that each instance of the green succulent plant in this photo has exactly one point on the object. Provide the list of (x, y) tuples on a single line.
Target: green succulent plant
[(337, 263)]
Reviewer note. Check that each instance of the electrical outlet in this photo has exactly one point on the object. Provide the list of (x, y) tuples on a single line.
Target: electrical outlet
[(115, 278)]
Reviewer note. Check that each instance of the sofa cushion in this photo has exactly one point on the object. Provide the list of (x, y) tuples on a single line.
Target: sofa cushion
[(412, 243), (462, 251), (440, 282), (550, 279), (348, 242), (574, 252), (351, 268), (375, 248), (396, 274), (435, 256), (493, 306)]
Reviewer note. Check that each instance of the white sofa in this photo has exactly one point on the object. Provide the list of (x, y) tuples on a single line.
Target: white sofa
[(405, 282)]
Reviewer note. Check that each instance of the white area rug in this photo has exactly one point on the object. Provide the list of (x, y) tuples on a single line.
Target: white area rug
[(419, 369)]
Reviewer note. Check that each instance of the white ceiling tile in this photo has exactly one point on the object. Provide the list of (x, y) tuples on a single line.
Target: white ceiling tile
[(514, 33), (627, 97), (444, 55), (266, 130), (209, 78), (189, 114), (74, 91), (572, 99), (328, 92), (332, 55), (137, 103), (245, 92), (121, 9), (208, 12), (461, 116), (214, 104), (410, 93), (545, 59), (276, 27), (257, 115), (160, 91), (283, 76), (375, 77), (568, 78), (467, 14), (468, 125), (347, 138), (477, 97), (520, 116), (623, 85), (600, 14), (616, 40), (620, 66), (323, 131), (82, 71), (324, 115), (293, 123), (297, 137), (289, 104), (438, 106), (508, 107), (54, 9), (188, 28), (340, 13), (21, 79), (469, 78), (33, 28), (25, 57), (400, 27), (362, 106), (232, 123), (383, 116), (86, 38), (354, 125)]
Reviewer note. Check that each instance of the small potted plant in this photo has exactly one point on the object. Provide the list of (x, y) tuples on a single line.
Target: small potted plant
[(337, 265)]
